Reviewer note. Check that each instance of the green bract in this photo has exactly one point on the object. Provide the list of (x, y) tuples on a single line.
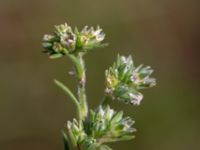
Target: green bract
[(102, 126), (124, 80), (76, 132), (94, 129), (107, 125), (64, 40)]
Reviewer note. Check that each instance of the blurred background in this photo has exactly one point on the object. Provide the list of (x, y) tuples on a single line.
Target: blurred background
[(164, 34)]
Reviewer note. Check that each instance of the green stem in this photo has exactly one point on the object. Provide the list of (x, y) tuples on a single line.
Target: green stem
[(78, 66), (80, 71), (82, 89)]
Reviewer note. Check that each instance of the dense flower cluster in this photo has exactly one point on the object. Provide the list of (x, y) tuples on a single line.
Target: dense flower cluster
[(102, 126), (76, 132), (124, 80), (93, 129), (65, 40)]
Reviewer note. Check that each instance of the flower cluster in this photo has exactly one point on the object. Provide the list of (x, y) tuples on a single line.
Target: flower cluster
[(108, 126), (92, 130), (124, 80), (64, 40), (76, 132), (102, 126)]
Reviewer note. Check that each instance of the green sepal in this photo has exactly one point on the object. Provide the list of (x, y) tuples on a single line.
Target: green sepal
[(117, 117), (54, 56), (47, 45), (72, 137)]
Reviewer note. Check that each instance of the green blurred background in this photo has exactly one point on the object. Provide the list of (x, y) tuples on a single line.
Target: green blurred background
[(164, 34)]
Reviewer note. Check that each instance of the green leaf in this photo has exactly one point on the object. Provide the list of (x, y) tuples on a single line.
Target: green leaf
[(68, 92)]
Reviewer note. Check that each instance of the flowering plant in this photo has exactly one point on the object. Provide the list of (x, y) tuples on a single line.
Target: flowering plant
[(93, 129)]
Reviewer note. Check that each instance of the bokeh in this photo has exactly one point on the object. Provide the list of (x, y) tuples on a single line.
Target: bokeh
[(164, 34)]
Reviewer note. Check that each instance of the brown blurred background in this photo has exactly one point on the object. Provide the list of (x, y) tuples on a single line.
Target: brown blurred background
[(164, 34)]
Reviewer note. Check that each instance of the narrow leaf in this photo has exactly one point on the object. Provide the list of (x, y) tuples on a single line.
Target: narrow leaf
[(67, 91)]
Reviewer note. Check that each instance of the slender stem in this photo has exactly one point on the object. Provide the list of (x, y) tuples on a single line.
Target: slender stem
[(82, 89), (80, 71)]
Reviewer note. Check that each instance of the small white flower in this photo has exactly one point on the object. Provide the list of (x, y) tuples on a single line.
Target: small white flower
[(97, 32), (100, 37), (135, 78), (135, 99), (124, 59)]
